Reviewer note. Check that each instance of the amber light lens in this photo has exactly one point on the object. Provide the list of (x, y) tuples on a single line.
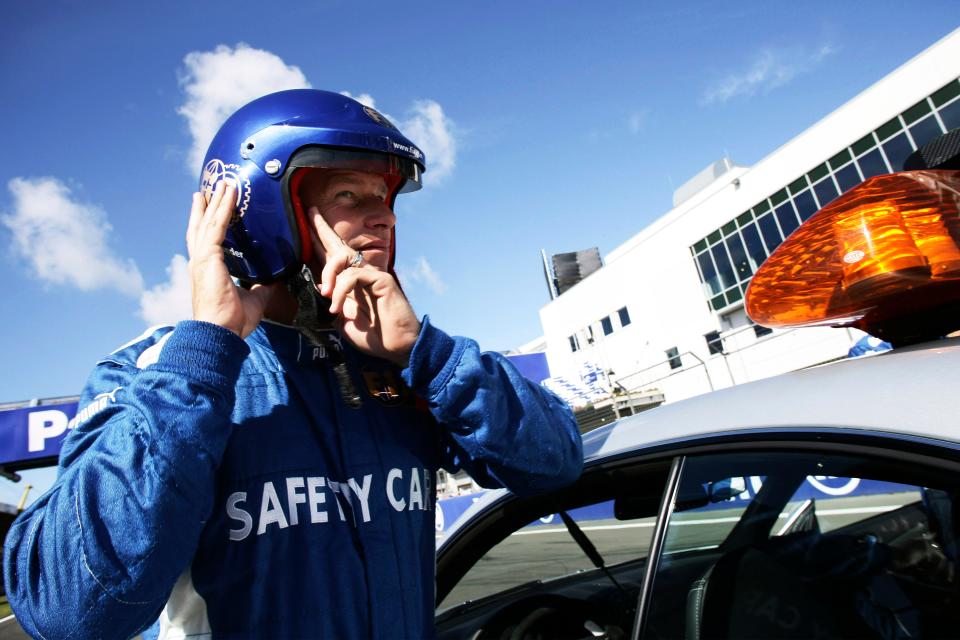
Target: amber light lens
[(892, 233)]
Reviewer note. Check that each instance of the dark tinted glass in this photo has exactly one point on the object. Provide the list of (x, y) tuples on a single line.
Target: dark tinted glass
[(897, 150), (771, 235), (925, 130), (714, 344), (826, 191), (872, 164), (709, 273), (624, 316), (805, 204), (951, 115), (754, 245), (739, 256), (607, 325), (674, 356), (787, 218), (848, 177), (723, 266)]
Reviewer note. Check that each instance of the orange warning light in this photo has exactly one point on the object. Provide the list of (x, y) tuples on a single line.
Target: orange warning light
[(885, 249)]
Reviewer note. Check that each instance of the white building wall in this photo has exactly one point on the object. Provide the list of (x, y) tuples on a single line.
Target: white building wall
[(654, 275)]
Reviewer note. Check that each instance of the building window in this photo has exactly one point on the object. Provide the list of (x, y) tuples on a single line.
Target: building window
[(624, 316), (761, 331), (674, 356), (607, 324), (714, 343), (727, 257), (574, 343)]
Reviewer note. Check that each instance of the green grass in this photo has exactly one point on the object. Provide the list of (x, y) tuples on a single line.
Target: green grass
[(4, 607)]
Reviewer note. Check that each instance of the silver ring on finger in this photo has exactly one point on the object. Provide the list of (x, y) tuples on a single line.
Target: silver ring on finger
[(357, 260)]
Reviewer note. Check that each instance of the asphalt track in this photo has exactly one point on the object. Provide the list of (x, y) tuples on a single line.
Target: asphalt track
[(549, 551)]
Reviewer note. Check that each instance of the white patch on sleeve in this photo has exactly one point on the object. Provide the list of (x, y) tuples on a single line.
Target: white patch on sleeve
[(152, 353), (143, 336), (185, 615)]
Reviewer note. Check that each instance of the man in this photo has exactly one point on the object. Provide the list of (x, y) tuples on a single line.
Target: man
[(240, 478)]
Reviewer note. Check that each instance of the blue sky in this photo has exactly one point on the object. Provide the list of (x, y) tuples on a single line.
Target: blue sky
[(555, 125)]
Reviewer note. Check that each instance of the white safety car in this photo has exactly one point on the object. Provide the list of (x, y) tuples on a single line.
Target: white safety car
[(823, 503)]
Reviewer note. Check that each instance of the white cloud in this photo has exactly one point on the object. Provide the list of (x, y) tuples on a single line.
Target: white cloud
[(65, 241), (428, 127), (770, 69), (169, 302), (420, 272), (364, 99), (219, 82)]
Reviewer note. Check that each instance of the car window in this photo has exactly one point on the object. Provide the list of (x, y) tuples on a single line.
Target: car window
[(545, 549), (803, 545)]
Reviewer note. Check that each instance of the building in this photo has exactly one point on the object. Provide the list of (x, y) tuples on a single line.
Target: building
[(664, 316)]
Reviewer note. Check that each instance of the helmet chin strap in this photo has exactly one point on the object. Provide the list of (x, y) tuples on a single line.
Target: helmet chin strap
[(314, 321)]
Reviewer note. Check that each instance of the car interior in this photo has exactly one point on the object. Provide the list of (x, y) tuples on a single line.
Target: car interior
[(734, 563)]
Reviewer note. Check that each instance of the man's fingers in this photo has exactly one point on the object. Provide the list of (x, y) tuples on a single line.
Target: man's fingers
[(196, 212), (329, 239)]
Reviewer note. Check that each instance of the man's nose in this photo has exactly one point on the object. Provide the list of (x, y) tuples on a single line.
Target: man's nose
[(378, 213)]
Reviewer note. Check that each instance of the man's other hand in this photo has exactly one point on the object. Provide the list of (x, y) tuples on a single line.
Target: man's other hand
[(216, 298)]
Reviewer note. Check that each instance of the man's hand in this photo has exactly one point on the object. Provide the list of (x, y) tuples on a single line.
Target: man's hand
[(215, 298), (369, 308)]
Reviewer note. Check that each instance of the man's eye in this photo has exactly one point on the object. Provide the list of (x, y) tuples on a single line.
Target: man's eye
[(350, 195)]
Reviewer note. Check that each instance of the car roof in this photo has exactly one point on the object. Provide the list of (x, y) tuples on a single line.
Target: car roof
[(911, 391)]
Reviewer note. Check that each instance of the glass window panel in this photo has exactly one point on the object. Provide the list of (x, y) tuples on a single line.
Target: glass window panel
[(574, 344), (801, 544), (700, 246), (917, 111), (819, 172), (760, 331), (718, 302), (888, 129), (787, 218), (950, 115), (778, 197), (755, 249), (745, 218), (714, 342), (848, 177), (714, 237), (624, 316), (761, 207), (943, 95), (733, 295), (722, 261), (925, 130), (863, 144), (674, 356), (826, 192), (607, 325), (798, 185), (897, 150), (739, 256), (840, 159), (729, 228), (872, 164), (709, 273), (771, 234), (805, 204)]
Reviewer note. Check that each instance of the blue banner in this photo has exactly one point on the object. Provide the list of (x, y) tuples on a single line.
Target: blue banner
[(31, 433)]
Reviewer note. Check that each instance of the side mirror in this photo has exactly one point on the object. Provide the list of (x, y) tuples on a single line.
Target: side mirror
[(727, 488)]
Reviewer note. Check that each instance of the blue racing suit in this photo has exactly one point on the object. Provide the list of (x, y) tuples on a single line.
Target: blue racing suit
[(226, 487)]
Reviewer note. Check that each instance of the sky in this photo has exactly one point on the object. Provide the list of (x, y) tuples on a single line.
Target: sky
[(554, 125)]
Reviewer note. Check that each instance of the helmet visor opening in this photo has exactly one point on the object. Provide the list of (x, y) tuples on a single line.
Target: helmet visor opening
[(352, 160)]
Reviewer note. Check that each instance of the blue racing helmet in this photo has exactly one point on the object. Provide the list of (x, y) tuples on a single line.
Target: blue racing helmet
[(266, 148)]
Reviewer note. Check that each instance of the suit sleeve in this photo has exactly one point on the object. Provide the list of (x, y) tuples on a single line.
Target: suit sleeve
[(503, 429), (98, 554)]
